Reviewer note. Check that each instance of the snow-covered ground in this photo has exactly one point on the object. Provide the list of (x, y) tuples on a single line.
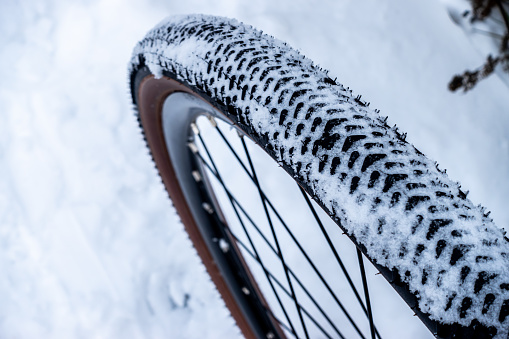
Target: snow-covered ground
[(89, 244)]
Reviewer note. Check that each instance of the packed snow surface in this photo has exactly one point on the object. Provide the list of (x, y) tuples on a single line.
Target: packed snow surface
[(90, 246)]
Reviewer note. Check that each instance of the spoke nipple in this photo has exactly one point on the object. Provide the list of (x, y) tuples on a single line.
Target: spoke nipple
[(240, 133), (378, 273), (270, 335), (212, 120), (224, 245), (207, 207), (193, 147), (195, 128), (246, 291), (196, 176)]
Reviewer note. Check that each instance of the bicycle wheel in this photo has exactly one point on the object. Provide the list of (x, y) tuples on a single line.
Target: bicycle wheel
[(443, 255)]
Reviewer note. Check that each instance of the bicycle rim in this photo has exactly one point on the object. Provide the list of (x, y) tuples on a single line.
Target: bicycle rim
[(169, 111)]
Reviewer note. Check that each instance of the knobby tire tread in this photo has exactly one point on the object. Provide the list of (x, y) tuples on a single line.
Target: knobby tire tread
[(416, 225)]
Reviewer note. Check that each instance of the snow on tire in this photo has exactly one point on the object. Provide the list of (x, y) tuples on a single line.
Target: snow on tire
[(406, 215)]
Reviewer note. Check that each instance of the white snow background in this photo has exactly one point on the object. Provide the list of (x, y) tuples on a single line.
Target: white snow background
[(89, 244)]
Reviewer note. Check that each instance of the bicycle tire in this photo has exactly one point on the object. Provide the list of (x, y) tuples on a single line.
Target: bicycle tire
[(443, 255)]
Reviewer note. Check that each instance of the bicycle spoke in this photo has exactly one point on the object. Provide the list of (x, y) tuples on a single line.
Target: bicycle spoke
[(258, 259), (366, 293), (275, 252), (283, 288), (270, 283), (336, 255), (280, 253), (280, 322), (294, 239), (233, 152)]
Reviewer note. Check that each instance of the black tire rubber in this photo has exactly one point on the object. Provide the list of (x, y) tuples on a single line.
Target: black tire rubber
[(442, 254)]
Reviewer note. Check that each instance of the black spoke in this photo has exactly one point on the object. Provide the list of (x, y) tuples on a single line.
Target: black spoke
[(283, 325), (366, 293), (233, 152), (336, 299), (281, 286), (280, 253), (336, 255), (258, 259), (217, 175), (244, 212)]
